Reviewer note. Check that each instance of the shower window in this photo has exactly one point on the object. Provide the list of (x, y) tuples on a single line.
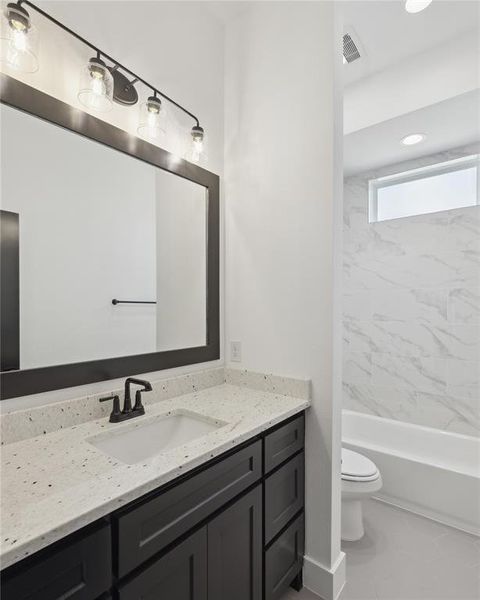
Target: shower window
[(443, 186)]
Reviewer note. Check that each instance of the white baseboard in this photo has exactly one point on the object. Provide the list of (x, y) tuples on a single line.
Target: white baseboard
[(326, 583)]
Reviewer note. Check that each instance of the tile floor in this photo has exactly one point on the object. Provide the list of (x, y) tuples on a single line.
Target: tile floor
[(304, 594), (406, 557)]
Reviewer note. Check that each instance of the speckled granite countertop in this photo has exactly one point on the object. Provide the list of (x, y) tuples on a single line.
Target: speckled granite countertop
[(54, 484)]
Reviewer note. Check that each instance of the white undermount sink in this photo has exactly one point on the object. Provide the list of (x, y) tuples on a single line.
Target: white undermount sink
[(142, 440)]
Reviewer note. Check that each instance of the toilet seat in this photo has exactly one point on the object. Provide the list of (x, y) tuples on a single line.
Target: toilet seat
[(356, 467)]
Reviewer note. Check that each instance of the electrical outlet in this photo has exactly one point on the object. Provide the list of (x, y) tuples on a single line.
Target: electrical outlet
[(236, 351)]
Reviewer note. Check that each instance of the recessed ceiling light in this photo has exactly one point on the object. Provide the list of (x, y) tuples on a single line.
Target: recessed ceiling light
[(413, 138), (416, 6)]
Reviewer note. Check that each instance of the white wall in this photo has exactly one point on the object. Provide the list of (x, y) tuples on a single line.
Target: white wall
[(282, 206), (181, 263), (179, 47), (87, 235)]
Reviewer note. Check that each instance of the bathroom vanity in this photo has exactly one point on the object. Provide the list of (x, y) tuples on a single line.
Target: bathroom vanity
[(232, 527), (86, 513)]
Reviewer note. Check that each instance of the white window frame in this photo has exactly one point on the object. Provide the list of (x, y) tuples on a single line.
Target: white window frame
[(449, 166)]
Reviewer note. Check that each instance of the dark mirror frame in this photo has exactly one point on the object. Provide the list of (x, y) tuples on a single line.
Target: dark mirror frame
[(31, 381)]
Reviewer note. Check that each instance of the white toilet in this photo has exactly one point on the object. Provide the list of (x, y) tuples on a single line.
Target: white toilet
[(360, 479)]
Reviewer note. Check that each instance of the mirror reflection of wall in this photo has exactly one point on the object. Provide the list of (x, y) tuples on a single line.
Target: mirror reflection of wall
[(96, 225)]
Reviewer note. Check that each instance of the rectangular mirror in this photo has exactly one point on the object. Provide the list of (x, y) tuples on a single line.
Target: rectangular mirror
[(96, 226), (104, 255)]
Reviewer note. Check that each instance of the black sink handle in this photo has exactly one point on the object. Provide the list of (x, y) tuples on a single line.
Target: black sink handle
[(147, 387), (116, 407)]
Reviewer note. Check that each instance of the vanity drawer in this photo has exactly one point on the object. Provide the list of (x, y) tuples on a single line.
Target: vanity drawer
[(284, 495), (148, 528), (284, 442), (78, 570), (284, 559)]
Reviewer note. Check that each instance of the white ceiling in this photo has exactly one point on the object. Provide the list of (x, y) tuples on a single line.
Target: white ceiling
[(388, 34), (448, 124), (395, 44)]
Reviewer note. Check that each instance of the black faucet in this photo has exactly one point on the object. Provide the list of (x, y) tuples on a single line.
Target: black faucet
[(127, 405), (116, 416)]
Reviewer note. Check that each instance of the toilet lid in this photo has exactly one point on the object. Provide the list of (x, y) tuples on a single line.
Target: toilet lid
[(356, 467)]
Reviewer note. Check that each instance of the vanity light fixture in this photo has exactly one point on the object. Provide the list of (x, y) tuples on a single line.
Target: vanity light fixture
[(124, 91), (152, 116), (198, 141), (19, 40), (413, 138), (96, 86), (101, 84), (416, 6)]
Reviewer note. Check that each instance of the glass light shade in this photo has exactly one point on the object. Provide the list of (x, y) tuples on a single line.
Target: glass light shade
[(19, 40), (96, 86), (197, 146), (152, 121)]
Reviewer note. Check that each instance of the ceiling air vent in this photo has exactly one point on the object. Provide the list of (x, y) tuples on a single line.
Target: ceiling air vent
[(350, 50)]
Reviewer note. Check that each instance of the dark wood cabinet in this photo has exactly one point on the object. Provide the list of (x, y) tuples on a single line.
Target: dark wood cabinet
[(284, 495), (78, 569), (235, 550), (284, 442), (229, 530), (284, 559), (181, 574), (146, 529)]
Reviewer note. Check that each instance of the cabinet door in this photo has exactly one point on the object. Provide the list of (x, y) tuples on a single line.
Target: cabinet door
[(235, 550), (181, 574), (78, 569)]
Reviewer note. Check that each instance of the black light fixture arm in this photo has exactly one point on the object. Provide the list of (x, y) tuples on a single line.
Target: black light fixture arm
[(115, 62)]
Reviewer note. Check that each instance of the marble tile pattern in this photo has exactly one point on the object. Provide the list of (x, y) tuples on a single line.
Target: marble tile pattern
[(411, 310), (404, 556), (58, 482), (23, 424)]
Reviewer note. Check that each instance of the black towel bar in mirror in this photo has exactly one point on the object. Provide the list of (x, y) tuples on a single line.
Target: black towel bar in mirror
[(115, 301)]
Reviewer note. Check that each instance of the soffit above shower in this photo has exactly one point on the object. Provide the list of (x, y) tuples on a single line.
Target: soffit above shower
[(379, 145)]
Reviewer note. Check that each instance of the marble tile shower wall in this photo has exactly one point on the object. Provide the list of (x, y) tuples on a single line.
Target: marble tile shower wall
[(412, 311)]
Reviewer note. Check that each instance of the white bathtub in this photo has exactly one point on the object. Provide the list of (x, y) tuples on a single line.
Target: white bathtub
[(431, 472)]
